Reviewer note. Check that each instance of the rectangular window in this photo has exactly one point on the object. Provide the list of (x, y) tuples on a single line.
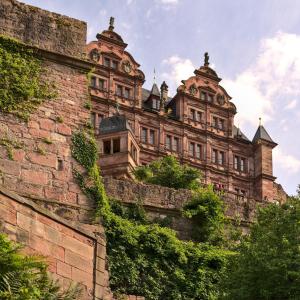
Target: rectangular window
[(199, 116), (101, 84), (106, 147), (156, 104), (176, 144), (221, 124), (215, 122), (198, 151), (114, 64), (236, 162), (126, 93), (151, 137), (221, 158), (243, 164), (93, 119), (116, 145), (106, 62), (193, 114), (93, 81), (144, 135), (191, 149), (119, 90), (214, 156), (168, 142), (203, 96)]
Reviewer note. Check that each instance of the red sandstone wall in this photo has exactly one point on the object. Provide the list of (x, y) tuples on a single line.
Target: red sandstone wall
[(73, 253), (39, 170)]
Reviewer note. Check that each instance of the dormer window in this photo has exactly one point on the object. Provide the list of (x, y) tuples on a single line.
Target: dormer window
[(155, 104)]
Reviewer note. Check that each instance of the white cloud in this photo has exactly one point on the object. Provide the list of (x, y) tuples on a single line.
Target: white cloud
[(178, 69), (292, 104), (263, 89), (285, 161)]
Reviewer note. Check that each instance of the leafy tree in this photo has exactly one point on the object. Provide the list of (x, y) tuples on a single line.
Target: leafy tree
[(168, 172), (26, 278), (267, 263)]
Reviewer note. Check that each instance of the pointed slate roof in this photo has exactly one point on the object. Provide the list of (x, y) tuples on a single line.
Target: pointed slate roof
[(155, 90), (239, 134), (262, 134)]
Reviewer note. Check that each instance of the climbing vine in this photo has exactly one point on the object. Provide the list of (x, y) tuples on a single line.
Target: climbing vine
[(21, 88), (144, 258)]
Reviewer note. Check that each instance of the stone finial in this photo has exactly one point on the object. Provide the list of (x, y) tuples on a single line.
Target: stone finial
[(260, 123), (206, 59), (111, 23)]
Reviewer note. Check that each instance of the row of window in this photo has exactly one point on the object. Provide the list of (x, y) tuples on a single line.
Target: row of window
[(197, 115), (98, 83), (147, 136), (110, 63), (218, 123), (123, 91), (218, 157), (101, 84)]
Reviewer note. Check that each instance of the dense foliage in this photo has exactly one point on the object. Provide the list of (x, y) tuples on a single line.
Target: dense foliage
[(25, 277), (206, 210), (267, 263), (21, 89), (168, 172), (144, 258)]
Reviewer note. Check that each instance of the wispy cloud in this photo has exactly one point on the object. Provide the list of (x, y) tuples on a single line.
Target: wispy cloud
[(270, 81), (289, 163), (292, 104)]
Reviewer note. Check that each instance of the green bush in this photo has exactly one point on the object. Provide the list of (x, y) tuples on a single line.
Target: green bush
[(26, 278), (168, 172), (206, 210)]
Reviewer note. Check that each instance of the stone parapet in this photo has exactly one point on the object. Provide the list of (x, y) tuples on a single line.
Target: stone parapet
[(43, 29)]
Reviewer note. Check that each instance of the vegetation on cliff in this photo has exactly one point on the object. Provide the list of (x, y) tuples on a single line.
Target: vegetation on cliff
[(25, 277), (21, 87), (145, 258), (149, 260)]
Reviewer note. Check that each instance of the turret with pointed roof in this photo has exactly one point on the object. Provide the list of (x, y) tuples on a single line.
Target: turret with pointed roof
[(263, 163)]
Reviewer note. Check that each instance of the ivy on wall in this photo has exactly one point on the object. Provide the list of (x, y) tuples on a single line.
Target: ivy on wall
[(144, 258), (21, 88)]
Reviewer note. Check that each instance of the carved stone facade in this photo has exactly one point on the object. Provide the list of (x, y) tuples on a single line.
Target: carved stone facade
[(196, 125)]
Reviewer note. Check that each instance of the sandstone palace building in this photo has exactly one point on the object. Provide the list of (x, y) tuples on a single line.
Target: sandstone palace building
[(134, 125)]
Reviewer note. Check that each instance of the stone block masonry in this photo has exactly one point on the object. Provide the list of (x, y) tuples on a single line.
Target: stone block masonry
[(75, 253), (41, 169), (46, 30)]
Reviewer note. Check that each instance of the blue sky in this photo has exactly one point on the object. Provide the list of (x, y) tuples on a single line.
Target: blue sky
[(254, 45)]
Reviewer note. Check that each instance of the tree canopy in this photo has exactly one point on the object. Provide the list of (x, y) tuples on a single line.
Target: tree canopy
[(267, 261)]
